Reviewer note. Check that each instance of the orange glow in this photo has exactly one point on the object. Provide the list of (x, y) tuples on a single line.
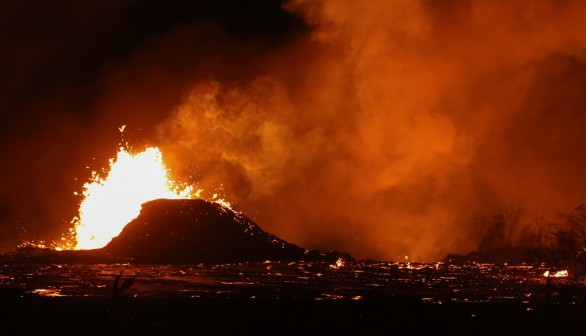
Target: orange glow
[(339, 264), (558, 274), (112, 202)]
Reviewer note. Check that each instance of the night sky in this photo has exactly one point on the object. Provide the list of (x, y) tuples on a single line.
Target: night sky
[(382, 129)]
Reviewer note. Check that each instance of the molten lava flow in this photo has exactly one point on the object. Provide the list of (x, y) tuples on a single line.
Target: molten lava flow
[(558, 274), (112, 202)]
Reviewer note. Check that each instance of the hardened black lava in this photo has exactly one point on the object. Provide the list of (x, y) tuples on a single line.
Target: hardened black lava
[(302, 297)]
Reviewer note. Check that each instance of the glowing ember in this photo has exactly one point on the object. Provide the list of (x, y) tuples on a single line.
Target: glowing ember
[(110, 203), (558, 274), (339, 263)]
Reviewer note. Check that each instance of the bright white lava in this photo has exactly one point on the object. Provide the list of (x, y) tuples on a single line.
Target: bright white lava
[(111, 203), (558, 274)]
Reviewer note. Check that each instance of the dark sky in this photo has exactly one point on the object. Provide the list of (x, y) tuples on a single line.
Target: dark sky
[(379, 128)]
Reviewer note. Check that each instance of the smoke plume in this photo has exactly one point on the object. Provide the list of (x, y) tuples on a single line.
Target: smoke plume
[(390, 125)]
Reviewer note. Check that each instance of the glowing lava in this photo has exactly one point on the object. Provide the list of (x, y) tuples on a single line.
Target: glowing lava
[(558, 274), (112, 202)]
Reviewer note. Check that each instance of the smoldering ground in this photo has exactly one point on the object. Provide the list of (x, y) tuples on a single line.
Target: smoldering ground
[(377, 128)]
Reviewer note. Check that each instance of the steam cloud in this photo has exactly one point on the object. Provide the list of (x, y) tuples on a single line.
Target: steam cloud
[(382, 129)]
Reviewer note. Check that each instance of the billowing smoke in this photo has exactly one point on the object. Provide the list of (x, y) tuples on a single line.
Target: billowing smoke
[(392, 125), (379, 128)]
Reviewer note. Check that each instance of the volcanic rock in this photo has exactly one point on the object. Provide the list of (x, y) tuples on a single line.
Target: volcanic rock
[(43, 255), (193, 230)]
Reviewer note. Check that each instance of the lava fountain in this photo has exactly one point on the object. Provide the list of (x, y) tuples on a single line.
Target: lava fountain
[(112, 202)]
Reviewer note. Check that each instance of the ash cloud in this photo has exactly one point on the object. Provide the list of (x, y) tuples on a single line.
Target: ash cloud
[(389, 126), (379, 129)]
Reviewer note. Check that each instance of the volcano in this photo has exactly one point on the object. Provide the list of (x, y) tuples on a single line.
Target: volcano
[(194, 230), (182, 231)]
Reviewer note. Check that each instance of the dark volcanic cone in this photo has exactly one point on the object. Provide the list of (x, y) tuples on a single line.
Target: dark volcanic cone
[(188, 231), (182, 231)]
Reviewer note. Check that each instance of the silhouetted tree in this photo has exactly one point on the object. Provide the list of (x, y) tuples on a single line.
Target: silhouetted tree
[(512, 216), (495, 234), (569, 240), (542, 229)]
